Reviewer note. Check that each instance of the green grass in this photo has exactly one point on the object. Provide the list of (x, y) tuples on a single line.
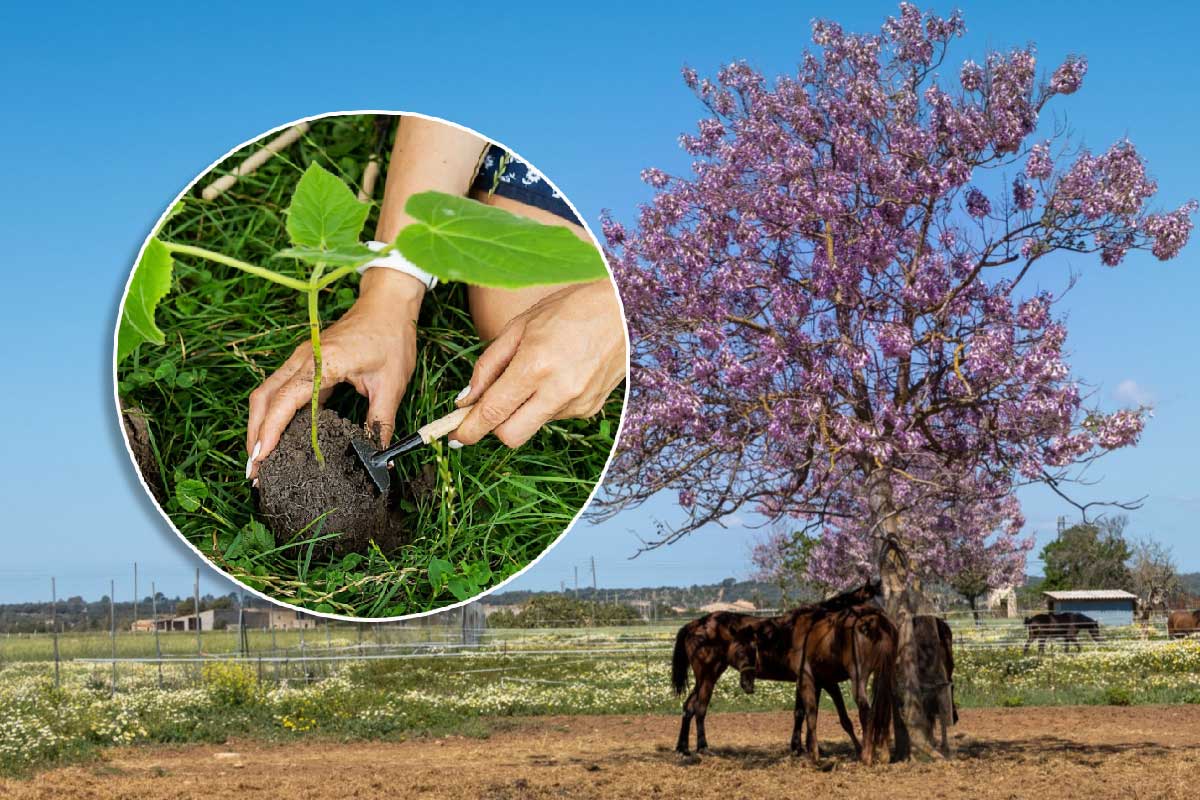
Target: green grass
[(227, 331)]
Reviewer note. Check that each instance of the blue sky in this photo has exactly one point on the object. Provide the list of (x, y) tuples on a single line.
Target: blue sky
[(109, 113)]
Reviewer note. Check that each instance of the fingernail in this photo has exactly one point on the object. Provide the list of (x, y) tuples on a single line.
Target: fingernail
[(254, 483), (455, 444), (466, 391), (250, 460)]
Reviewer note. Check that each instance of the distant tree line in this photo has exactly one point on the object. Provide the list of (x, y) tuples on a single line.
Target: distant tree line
[(560, 611), (77, 614)]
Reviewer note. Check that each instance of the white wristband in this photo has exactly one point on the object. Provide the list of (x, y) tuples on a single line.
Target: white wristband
[(394, 260)]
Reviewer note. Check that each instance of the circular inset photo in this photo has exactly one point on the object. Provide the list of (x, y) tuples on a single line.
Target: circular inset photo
[(371, 365)]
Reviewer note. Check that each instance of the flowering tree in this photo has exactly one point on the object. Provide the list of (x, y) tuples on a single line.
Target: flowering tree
[(832, 318)]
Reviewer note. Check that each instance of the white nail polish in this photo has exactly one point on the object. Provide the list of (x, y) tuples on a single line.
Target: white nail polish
[(455, 444), (250, 460), (254, 483), (466, 391)]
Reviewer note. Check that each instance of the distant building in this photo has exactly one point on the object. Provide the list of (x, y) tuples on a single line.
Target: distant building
[(217, 619), (739, 606), (1106, 606)]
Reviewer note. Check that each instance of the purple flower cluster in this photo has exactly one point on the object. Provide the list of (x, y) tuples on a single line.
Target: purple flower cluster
[(977, 203)]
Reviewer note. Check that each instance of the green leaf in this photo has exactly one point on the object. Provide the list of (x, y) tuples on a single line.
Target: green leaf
[(165, 373), (191, 493), (439, 570), (458, 239), (258, 538), (150, 284), (346, 255), (324, 213), (461, 589)]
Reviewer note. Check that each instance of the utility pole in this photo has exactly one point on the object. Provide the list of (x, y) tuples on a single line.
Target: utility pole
[(593, 575), (576, 580), (135, 592)]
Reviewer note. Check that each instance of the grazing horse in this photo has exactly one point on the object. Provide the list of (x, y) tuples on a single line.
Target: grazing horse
[(850, 644), (712, 643), (1065, 625), (1183, 623)]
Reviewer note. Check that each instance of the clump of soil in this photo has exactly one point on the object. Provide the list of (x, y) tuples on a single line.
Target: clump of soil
[(137, 430), (294, 490)]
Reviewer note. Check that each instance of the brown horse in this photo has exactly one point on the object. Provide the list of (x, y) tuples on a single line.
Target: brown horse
[(758, 647), (1064, 625), (851, 644), (1183, 623)]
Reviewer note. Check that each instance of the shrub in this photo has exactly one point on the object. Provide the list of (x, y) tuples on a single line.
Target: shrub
[(1118, 696), (231, 684)]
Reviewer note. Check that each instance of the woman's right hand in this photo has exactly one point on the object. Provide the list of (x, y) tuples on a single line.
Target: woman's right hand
[(373, 347)]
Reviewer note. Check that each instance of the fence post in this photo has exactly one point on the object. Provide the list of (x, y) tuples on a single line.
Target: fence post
[(157, 644), (112, 618), (54, 627)]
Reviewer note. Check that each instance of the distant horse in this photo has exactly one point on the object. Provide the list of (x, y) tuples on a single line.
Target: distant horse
[(1064, 625), (1183, 623), (758, 647), (851, 644)]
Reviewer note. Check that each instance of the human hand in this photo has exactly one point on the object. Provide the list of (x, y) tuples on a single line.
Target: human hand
[(558, 360), (373, 347)]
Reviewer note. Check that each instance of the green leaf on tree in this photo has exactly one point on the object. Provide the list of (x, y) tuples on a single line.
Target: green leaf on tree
[(463, 240), (190, 493), (150, 284), (324, 214)]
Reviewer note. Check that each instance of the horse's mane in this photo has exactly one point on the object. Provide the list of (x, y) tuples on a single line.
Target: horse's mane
[(850, 597)]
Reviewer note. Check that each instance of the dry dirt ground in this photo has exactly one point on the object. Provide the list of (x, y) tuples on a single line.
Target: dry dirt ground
[(1051, 753)]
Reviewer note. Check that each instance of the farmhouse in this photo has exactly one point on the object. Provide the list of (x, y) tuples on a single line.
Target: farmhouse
[(216, 619), (1107, 606)]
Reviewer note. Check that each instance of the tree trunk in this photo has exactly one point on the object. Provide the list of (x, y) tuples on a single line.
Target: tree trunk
[(922, 689), (974, 608)]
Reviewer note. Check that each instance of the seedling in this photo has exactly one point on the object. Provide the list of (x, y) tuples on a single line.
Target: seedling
[(454, 238)]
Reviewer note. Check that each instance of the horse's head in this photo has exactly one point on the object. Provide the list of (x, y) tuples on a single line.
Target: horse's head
[(745, 659), (872, 588)]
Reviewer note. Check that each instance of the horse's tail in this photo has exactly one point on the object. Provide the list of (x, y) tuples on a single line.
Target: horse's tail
[(679, 661), (884, 694)]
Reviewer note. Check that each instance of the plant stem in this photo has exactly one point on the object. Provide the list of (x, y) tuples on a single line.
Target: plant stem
[(253, 269), (314, 331)]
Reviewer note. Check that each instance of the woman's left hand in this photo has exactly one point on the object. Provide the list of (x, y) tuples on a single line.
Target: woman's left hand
[(559, 360)]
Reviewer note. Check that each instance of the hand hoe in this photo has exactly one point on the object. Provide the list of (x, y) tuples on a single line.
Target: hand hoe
[(376, 461)]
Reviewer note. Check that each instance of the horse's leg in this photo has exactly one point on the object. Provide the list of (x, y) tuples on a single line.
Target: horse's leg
[(859, 681), (703, 696), (835, 692), (810, 732), (806, 704), (688, 712)]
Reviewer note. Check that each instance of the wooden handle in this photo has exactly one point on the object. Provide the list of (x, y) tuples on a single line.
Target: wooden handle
[(256, 160), (446, 425)]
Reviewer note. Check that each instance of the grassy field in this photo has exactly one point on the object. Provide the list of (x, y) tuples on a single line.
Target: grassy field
[(448, 690), (486, 511)]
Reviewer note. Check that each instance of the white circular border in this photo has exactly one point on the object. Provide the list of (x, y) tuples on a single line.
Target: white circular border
[(137, 470)]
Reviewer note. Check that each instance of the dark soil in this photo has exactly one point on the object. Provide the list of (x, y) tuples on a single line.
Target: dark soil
[(138, 432), (294, 490)]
